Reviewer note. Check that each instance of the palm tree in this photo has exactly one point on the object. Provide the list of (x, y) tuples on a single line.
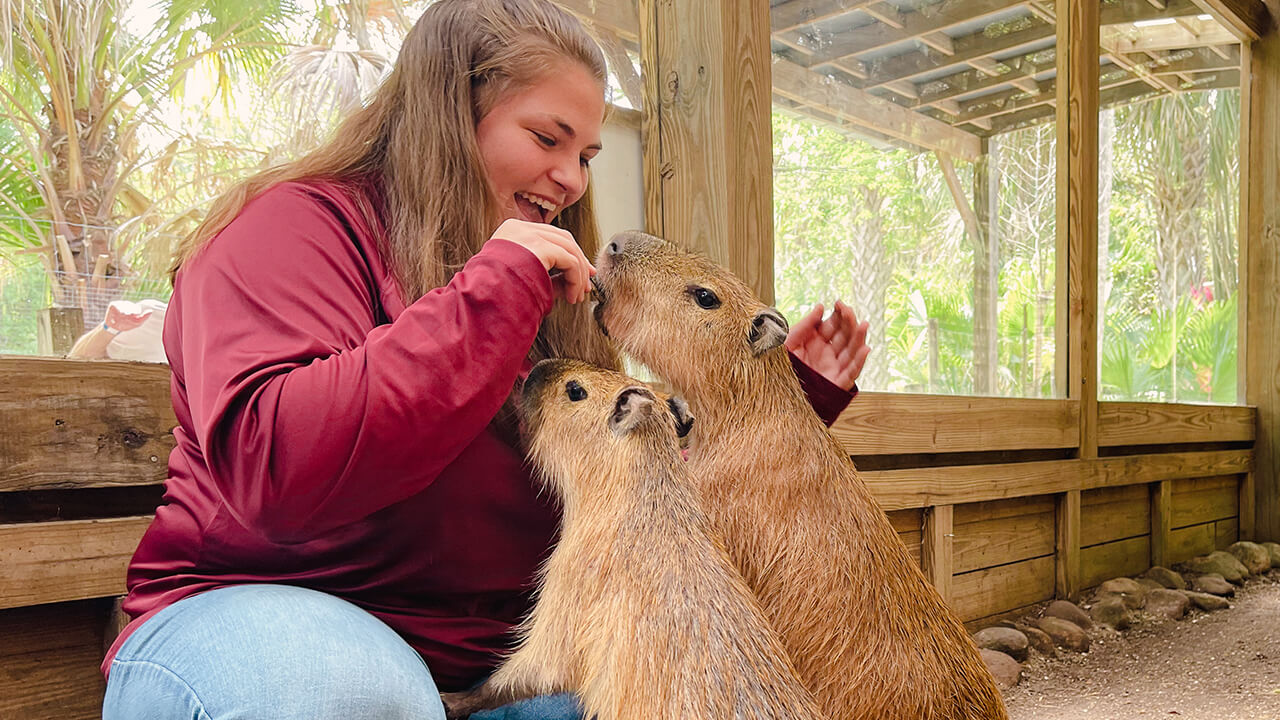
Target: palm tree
[(82, 82)]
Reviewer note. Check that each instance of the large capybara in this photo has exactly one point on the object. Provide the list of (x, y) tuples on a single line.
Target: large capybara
[(868, 633), (639, 610)]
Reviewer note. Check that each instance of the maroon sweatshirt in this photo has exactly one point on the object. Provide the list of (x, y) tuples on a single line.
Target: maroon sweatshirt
[(330, 437)]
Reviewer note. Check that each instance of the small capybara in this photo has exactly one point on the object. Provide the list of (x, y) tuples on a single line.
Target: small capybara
[(869, 635), (639, 609)]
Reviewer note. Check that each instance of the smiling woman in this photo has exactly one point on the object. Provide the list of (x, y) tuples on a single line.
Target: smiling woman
[(345, 335)]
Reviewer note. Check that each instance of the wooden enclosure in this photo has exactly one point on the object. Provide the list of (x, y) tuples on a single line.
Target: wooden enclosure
[(1005, 502)]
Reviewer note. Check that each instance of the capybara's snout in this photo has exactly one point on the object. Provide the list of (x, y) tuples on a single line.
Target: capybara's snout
[(624, 243)]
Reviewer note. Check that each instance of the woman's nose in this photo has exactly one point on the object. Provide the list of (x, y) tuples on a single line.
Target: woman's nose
[(571, 176)]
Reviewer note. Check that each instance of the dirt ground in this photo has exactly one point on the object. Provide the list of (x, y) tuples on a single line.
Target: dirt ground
[(1223, 665)]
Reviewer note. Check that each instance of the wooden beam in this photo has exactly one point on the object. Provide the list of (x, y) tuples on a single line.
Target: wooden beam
[(77, 423), (1161, 521), (862, 108), (907, 424), (1137, 423), (957, 485), (1164, 37), (977, 45), (936, 548), (708, 159), (958, 198), (51, 562), (1246, 502), (792, 14), (1067, 545), (1261, 275), (912, 25), (939, 41), (1247, 19), (1077, 209), (49, 662)]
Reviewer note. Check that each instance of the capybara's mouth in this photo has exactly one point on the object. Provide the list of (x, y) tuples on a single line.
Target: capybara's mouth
[(597, 292)]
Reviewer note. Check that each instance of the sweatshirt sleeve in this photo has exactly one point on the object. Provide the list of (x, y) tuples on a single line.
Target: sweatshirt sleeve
[(827, 398), (310, 414)]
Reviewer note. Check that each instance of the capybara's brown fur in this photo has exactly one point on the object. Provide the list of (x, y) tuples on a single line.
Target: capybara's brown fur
[(640, 611), (868, 633)]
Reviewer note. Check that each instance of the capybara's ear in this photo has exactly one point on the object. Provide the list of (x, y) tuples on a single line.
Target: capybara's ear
[(768, 330), (684, 418), (633, 405)]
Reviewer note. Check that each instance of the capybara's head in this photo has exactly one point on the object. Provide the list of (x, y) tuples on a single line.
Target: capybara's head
[(583, 420), (686, 317)]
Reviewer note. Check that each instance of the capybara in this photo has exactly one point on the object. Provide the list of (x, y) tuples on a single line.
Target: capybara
[(868, 633), (639, 609)]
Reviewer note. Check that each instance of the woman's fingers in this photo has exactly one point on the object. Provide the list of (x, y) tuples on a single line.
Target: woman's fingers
[(558, 252)]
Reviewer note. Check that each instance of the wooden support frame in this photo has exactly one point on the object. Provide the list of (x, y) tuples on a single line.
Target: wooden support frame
[(1161, 521), (708, 161), (936, 548)]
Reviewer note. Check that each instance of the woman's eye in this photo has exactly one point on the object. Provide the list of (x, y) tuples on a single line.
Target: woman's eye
[(575, 391), (585, 161), (706, 299), (545, 139)]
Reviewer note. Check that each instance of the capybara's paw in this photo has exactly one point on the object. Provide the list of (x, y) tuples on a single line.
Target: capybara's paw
[(461, 704)]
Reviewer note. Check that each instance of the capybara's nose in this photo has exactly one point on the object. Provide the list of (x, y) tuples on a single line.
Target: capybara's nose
[(619, 243)]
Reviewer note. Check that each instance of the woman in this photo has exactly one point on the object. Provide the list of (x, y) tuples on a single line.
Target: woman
[(348, 522)]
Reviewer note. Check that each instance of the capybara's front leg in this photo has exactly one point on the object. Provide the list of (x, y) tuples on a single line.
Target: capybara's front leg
[(485, 696)]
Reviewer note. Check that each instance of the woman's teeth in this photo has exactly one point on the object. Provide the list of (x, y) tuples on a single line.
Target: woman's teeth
[(545, 205)]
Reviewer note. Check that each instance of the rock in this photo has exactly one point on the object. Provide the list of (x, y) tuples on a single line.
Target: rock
[(1009, 641), (1273, 549), (1005, 670), (1252, 555), (1065, 633), (1221, 563), (1213, 584), (1127, 589), (1168, 603), (1205, 601), (1070, 612), (1039, 640), (1112, 612), (1166, 577), (1149, 584)]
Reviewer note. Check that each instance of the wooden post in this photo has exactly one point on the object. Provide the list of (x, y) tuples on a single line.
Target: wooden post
[(57, 329), (1261, 275), (1077, 245), (986, 264), (936, 550), (1247, 500), (708, 160), (1161, 521)]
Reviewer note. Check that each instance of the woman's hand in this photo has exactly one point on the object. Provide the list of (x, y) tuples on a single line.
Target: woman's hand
[(835, 347), (559, 253)]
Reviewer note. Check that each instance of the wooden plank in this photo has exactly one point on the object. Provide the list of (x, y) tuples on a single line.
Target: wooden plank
[(1067, 557), (936, 548), (1164, 37), (73, 423), (66, 560), (909, 525), (1116, 513), (710, 169), (1077, 208), (978, 45), (995, 590), (49, 661), (1161, 523), (1244, 500), (913, 25), (1201, 500), (1114, 559), (956, 485), (1135, 423), (1188, 542), (861, 108), (1225, 532), (1247, 19), (1001, 541), (1262, 276), (893, 423)]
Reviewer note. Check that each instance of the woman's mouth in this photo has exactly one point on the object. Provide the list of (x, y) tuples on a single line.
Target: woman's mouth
[(534, 208)]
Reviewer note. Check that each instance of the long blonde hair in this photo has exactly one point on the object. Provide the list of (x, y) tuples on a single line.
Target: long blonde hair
[(416, 141)]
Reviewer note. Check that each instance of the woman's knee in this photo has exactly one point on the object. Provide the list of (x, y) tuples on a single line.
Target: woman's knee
[(256, 651)]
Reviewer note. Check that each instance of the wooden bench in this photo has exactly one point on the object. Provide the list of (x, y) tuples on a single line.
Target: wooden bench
[(84, 448)]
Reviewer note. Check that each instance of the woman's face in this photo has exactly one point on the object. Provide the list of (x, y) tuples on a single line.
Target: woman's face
[(536, 142)]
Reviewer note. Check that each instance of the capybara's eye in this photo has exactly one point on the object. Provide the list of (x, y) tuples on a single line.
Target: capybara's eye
[(706, 299), (575, 391)]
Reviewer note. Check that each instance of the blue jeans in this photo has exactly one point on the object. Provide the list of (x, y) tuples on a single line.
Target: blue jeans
[(253, 652)]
